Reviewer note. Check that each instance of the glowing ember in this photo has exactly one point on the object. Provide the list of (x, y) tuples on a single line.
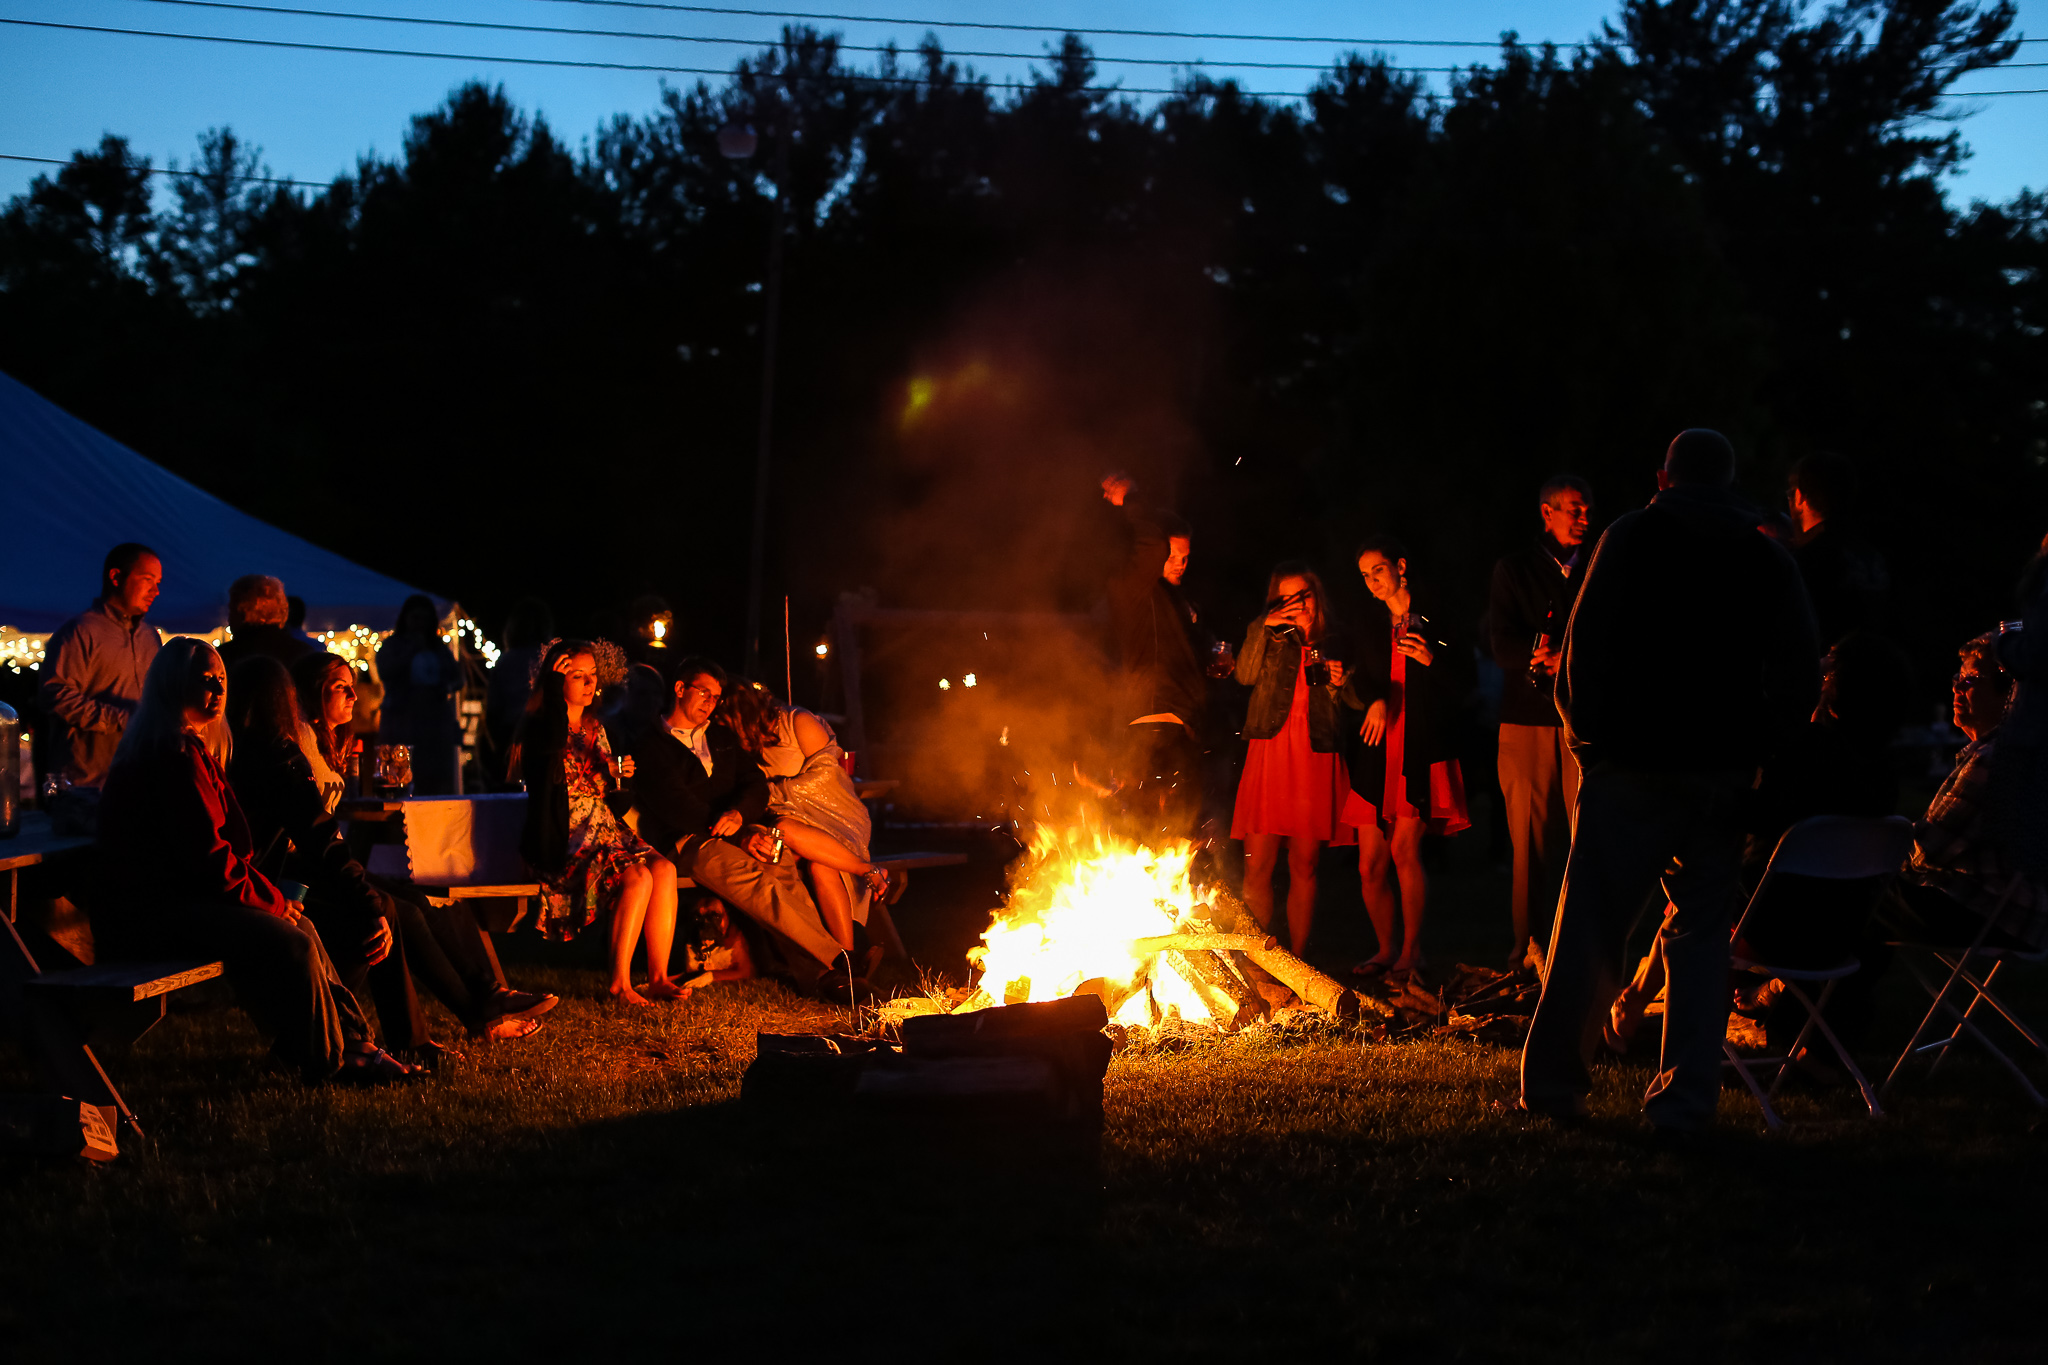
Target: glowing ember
[(1082, 898)]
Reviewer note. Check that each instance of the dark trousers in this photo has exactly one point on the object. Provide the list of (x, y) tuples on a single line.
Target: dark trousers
[(1635, 827), (1163, 780), (434, 946), (280, 972)]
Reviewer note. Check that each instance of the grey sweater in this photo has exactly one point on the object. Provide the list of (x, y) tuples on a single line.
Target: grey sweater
[(92, 681)]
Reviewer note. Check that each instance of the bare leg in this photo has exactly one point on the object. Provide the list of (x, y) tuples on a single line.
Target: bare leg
[(1261, 857), (1301, 890), (1375, 884), (660, 933), (814, 845), (1626, 1014), (834, 905), (627, 917), (1407, 851)]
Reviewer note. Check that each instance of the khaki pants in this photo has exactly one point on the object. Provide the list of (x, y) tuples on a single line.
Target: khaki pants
[(770, 894), (1540, 779)]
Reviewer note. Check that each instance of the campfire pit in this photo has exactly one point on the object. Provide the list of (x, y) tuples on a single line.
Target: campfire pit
[(1093, 913)]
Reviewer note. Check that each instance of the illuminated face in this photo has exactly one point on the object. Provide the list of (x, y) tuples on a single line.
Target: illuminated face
[(698, 698), (208, 696), (1566, 517), (1383, 577), (135, 588), (1178, 548), (1980, 698), (579, 681), (338, 697)]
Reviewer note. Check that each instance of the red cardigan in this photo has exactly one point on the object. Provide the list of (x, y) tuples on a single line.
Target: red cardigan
[(173, 831)]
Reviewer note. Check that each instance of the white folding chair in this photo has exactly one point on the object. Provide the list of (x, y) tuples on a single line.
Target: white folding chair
[(1958, 962), (1837, 848)]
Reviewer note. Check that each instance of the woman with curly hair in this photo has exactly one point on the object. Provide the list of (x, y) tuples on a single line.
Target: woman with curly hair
[(589, 863)]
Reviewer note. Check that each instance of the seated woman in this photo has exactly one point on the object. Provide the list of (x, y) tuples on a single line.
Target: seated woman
[(456, 964), (813, 803), (1961, 872), (589, 863), (182, 881), (289, 792)]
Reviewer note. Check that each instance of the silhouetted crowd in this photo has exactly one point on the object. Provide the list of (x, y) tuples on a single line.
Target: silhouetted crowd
[(1674, 699)]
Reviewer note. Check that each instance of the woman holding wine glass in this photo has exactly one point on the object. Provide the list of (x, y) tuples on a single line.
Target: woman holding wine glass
[(1293, 789), (1405, 780)]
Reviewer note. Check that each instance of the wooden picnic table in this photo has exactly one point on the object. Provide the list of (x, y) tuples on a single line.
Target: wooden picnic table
[(37, 843)]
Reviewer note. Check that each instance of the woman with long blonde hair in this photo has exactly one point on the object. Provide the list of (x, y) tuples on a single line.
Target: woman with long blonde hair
[(182, 882)]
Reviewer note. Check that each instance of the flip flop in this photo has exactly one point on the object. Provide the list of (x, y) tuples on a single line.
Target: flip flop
[(1370, 969)]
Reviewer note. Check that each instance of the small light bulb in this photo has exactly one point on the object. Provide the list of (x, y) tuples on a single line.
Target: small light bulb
[(823, 649), (968, 680), (945, 686)]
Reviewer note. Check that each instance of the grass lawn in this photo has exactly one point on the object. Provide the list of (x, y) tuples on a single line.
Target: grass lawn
[(599, 1187)]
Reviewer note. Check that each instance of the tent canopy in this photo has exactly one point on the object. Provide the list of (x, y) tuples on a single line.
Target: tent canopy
[(73, 493)]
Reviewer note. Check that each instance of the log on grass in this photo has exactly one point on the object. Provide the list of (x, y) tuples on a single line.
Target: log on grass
[(1323, 992)]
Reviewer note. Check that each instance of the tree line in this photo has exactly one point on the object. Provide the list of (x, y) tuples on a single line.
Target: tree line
[(498, 364)]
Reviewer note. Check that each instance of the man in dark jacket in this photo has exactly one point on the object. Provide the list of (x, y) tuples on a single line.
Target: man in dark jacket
[(701, 797), (1690, 658), (1162, 692), (1846, 578), (257, 611), (1532, 599)]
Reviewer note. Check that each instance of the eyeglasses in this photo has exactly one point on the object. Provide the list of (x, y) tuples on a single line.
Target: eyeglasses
[(1969, 682), (703, 691)]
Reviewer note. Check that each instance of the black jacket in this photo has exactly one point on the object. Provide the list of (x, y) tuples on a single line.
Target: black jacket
[(1846, 580), (1692, 647), (278, 642), (290, 830), (1268, 664), (1530, 598), (1432, 697), (677, 799), (1160, 648)]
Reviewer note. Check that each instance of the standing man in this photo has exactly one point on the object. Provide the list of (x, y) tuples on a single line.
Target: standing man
[(1846, 578), (1162, 693), (1531, 603), (93, 679), (1690, 657), (701, 797)]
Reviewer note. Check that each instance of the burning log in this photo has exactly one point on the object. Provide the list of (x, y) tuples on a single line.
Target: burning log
[(1323, 992), (1203, 943), (1230, 1003)]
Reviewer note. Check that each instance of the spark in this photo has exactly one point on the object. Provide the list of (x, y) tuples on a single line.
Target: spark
[(945, 686), (823, 649), (967, 681)]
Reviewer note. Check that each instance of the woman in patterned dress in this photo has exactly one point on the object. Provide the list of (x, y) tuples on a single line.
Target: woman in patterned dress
[(587, 860)]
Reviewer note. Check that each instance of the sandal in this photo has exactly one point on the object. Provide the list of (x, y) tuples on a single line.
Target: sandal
[(878, 883), (1370, 969), (509, 1028)]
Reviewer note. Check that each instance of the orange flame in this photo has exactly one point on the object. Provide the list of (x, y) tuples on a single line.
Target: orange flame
[(1081, 897)]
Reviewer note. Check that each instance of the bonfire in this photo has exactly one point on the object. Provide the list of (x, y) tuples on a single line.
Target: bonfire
[(1094, 913)]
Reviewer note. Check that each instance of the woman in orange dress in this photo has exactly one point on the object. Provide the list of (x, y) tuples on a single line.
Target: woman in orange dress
[(1293, 788)]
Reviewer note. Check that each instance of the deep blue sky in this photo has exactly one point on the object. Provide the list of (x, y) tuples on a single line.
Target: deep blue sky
[(314, 113)]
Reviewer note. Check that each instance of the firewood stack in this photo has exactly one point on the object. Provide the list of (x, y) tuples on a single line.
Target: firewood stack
[(1241, 976)]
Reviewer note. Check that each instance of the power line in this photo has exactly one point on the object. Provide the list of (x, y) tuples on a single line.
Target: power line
[(660, 68), (1087, 32), (167, 170), (743, 42)]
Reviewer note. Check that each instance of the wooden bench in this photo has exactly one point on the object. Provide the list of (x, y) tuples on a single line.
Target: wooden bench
[(109, 1002)]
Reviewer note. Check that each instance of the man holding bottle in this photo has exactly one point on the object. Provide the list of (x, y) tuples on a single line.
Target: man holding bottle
[(1531, 601)]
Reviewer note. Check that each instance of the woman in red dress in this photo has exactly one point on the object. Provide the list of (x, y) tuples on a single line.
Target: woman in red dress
[(1293, 787), (1404, 780)]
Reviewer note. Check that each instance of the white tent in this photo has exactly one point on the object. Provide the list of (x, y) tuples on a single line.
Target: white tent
[(72, 493)]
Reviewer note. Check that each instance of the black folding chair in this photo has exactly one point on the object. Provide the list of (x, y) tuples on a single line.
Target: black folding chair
[(1833, 848), (1958, 962)]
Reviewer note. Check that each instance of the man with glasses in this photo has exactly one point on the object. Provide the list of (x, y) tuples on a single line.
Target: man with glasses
[(1532, 599), (701, 797)]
